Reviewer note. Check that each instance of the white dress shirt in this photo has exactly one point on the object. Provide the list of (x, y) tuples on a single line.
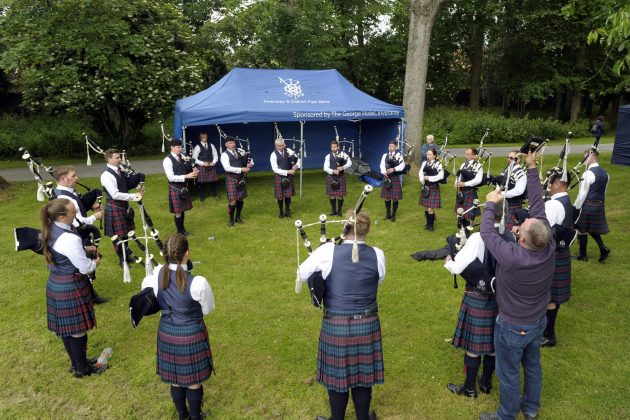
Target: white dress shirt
[(200, 289), (167, 164), (554, 210), (587, 180), (396, 156), (71, 246), (109, 183), (322, 258), (197, 150), (520, 183), (87, 220), (330, 170), (434, 178), (274, 162), (472, 249), (478, 177), (225, 161)]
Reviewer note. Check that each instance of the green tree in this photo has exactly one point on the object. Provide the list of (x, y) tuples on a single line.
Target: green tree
[(121, 61)]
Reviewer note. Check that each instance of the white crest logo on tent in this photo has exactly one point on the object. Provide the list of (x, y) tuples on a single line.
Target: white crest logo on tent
[(292, 88)]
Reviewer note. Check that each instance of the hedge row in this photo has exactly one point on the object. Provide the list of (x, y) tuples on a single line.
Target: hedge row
[(60, 136), (466, 127)]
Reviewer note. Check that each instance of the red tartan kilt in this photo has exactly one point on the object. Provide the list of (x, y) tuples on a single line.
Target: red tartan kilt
[(592, 218), (115, 221), (510, 216), (69, 304), (469, 196), (175, 203), (434, 200), (232, 192), (339, 192), (207, 174), (279, 192), (394, 192)]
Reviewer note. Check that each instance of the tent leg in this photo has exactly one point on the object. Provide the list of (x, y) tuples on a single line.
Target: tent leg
[(301, 153), (360, 148), (184, 138)]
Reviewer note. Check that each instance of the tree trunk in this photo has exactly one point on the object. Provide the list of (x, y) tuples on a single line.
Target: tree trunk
[(422, 15), (576, 99), (475, 62), (603, 105)]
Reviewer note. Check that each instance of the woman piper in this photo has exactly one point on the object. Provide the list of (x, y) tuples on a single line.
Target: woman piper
[(184, 359), (350, 353), (68, 296), (431, 172)]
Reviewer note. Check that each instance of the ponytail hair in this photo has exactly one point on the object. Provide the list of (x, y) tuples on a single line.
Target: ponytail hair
[(50, 212), (175, 248)]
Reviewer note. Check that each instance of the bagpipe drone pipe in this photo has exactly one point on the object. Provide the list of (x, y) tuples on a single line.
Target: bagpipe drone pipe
[(316, 283)]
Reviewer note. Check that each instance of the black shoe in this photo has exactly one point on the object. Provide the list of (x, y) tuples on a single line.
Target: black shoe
[(389, 216), (484, 388), (332, 214), (239, 220), (321, 418), (287, 213), (582, 258), (548, 342), (230, 223), (460, 390), (202, 198), (92, 370), (280, 214), (185, 233), (100, 300), (604, 254), (488, 416), (372, 416), (393, 218), (430, 228)]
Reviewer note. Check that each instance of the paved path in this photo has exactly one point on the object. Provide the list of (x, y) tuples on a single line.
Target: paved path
[(150, 167)]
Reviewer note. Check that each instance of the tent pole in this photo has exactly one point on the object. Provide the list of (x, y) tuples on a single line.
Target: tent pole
[(360, 155), (184, 138), (301, 153)]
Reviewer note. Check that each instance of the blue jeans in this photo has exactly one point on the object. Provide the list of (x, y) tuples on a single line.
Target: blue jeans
[(517, 345)]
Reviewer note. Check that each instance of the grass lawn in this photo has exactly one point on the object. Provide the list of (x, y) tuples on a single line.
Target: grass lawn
[(264, 336)]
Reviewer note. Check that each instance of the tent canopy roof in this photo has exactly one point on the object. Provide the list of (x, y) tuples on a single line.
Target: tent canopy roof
[(266, 95)]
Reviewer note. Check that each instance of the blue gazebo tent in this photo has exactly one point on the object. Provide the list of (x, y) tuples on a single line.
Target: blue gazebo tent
[(621, 150)]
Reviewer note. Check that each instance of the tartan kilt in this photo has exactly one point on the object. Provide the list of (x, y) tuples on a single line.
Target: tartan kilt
[(69, 304), (175, 202), (561, 285), (510, 216), (279, 192), (207, 174), (115, 221), (232, 192), (394, 192), (350, 352), (183, 353), (434, 200), (339, 192), (592, 218), (469, 194), (475, 323)]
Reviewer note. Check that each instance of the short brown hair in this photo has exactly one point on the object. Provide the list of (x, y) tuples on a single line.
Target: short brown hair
[(62, 170), (109, 153)]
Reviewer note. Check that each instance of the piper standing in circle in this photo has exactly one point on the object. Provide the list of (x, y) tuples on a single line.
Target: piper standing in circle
[(284, 163), (68, 295), (392, 165), (177, 171), (335, 163), (431, 173), (184, 359), (350, 353), (235, 187), (206, 158)]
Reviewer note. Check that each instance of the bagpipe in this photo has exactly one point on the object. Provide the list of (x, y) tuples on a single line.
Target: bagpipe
[(344, 144), (90, 234), (316, 284), (577, 172), (165, 137), (560, 169), (445, 157)]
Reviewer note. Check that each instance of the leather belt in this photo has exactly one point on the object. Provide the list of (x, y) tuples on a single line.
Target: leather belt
[(364, 315)]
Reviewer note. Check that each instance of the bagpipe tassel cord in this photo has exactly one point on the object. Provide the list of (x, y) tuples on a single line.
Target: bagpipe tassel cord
[(298, 282), (87, 148), (126, 271), (355, 245), (567, 150)]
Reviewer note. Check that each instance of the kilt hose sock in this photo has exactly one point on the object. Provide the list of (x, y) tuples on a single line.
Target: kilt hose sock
[(488, 370), (338, 402), (195, 399), (178, 394), (362, 397), (471, 367)]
